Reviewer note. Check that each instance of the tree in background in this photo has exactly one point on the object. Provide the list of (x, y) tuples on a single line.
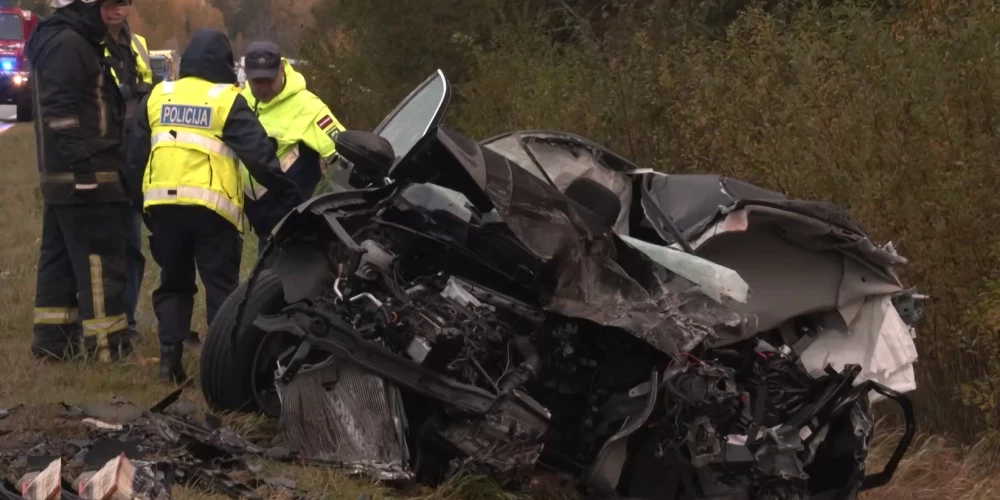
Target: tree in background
[(281, 21), (169, 25), (40, 7), (890, 108)]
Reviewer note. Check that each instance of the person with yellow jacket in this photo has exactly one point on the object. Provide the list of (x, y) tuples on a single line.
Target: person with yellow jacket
[(300, 123), (128, 57), (190, 136)]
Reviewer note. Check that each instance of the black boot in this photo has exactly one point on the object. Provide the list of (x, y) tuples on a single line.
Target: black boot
[(193, 341), (171, 368), (56, 344)]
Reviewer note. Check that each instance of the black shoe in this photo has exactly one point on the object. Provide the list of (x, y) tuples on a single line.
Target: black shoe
[(193, 341), (171, 366), (55, 344), (133, 334)]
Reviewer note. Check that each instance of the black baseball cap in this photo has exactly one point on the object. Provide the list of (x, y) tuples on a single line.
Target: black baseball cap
[(262, 60)]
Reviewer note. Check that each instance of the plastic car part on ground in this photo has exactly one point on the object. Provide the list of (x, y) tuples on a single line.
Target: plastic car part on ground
[(142, 454)]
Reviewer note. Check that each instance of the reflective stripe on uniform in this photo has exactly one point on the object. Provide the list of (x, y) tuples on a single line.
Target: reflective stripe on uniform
[(103, 176), (143, 68), (97, 285), (217, 90), (99, 326), (64, 123), (102, 327), (210, 197), (215, 146), (289, 159), (140, 50), (56, 315), (254, 189), (167, 88)]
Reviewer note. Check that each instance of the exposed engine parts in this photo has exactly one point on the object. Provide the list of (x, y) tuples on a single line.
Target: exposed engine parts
[(503, 391)]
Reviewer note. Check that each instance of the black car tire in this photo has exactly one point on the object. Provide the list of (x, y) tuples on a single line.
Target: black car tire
[(227, 368), (24, 107)]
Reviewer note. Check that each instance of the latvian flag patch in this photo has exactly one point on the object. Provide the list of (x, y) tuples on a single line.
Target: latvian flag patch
[(324, 122)]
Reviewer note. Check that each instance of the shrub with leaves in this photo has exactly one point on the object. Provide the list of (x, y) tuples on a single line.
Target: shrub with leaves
[(887, 108)]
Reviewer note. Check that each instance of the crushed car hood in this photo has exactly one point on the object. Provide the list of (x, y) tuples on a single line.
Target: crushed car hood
[(589, 272)]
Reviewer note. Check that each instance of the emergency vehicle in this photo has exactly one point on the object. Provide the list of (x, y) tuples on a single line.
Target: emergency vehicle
[(15, 27), (163, 65)]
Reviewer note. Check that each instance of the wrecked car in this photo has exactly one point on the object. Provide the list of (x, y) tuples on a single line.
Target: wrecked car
[(536, 303)]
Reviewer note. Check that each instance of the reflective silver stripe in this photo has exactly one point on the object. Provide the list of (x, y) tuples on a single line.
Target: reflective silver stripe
[(289, 158), (167, 88), (140, 51), (103, 176), (64, 123), (217, 89), (215, 146), (56, 315), (213, 198), (103, 125), (104, 326), (255, 190)]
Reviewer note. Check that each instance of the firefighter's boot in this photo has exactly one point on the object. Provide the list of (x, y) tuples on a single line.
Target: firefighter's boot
[(171, 366), (55, 344)]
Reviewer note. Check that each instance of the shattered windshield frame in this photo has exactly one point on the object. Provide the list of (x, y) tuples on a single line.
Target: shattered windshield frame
[(421, 111)]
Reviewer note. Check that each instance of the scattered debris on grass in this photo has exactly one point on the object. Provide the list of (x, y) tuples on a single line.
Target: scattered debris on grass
[(131, 453)]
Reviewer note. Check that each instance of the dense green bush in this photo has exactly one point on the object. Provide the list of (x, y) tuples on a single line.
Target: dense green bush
[(888, 108)]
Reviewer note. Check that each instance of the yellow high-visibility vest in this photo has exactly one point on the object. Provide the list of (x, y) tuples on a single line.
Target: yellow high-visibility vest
[(188, 163), (294, 116), (142, 60)]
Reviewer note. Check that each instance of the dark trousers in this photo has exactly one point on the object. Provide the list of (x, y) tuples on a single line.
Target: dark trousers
[(185, 239), (81, 281), (135, 261)]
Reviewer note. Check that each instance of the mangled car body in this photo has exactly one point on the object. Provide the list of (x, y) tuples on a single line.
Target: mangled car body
[(535, 302)]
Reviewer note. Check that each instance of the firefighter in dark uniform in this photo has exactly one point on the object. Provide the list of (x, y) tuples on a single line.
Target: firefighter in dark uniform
[(79, 114), (184, 152)]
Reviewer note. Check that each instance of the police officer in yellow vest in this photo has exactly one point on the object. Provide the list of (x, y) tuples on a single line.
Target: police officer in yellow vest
[(300, 123), (184, 152), (128, 57)]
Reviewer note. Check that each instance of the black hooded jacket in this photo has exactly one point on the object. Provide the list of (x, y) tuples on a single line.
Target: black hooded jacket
[(79, 112), (209, 56), (123, 62)]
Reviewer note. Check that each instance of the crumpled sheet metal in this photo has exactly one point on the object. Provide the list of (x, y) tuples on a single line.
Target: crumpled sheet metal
[(878, 337), (566, 159), (354, 424), (591, 272), (595, 275)]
